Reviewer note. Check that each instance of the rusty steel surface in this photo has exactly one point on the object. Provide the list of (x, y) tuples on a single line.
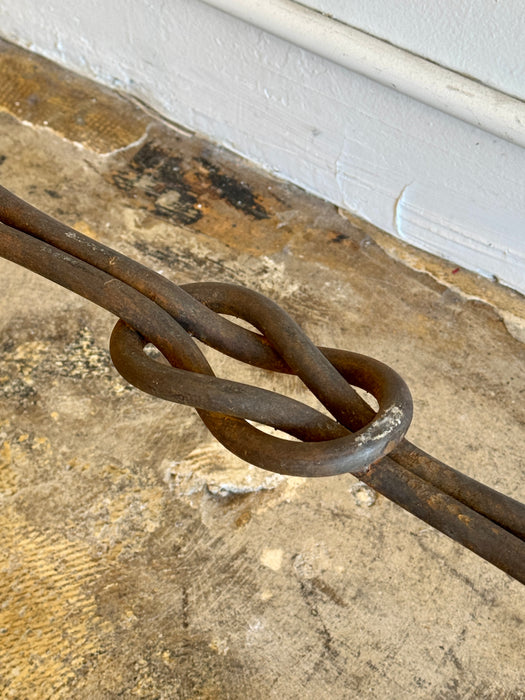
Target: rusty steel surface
[(369, 444)]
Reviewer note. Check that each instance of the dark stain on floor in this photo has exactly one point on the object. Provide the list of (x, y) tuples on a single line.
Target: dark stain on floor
[(184, 261), (235, 192), (171, 187), (69, 352), (158, 177)]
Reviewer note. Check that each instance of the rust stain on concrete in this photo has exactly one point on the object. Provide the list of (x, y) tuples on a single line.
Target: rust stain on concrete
[(38, 91)]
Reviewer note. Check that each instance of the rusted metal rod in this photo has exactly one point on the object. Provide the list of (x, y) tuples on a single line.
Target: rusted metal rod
[(358, 440)]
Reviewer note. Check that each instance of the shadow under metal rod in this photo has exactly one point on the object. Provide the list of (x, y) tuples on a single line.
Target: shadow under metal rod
[(359, 441)]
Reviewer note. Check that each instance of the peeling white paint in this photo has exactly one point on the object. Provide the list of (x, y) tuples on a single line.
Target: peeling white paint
[(398, 204)]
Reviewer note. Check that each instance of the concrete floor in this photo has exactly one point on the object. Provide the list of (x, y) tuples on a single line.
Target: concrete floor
[(139, 558)]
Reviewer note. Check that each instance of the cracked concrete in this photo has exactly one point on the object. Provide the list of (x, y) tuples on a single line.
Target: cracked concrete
[(139, 559)]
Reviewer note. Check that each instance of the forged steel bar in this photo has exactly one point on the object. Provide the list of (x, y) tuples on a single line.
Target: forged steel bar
[(370, 445)]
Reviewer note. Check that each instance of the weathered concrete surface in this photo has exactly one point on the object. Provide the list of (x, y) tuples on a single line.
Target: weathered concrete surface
[(138, 558)]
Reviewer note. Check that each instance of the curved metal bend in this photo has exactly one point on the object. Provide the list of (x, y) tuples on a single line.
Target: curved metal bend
[(153, 310)]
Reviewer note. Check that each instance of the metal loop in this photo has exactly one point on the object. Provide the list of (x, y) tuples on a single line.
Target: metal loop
[(329, 450)]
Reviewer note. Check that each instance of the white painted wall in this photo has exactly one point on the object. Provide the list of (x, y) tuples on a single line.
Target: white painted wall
[(414, 171), (481, 38)]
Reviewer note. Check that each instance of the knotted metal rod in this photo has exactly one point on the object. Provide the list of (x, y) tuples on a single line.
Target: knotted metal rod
[(368, 444)]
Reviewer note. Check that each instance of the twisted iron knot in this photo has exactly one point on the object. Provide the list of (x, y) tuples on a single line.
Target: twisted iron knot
[(154, 310), (353, 438), (326, 446)]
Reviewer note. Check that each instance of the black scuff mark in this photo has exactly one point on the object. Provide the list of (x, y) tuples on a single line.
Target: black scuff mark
[(235, 192), (157, 177), (186, 261)]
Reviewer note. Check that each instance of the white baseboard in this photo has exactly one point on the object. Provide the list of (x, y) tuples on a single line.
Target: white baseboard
[(415, 171)]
